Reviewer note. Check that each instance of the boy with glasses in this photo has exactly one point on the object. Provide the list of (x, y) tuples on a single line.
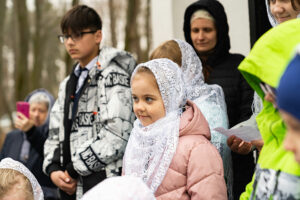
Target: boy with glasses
[(92, 117)]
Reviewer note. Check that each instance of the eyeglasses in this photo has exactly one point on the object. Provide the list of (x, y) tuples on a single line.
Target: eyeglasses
[(74, 36)]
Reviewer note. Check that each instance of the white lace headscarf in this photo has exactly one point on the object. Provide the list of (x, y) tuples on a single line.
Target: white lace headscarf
[(271, 17), (9, 163), (194, 80), (128, 188), (210, 100), (150, 149)]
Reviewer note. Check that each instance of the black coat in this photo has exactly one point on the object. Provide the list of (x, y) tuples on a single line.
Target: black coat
[(238, 94), (224, 72)]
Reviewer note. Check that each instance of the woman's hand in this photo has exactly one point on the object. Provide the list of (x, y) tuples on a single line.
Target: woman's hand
[(238, 145), (23, 123)]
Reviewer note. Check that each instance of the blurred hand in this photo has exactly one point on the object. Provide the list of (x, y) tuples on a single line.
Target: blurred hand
[(64, 181), (258, 144), (271, 98), (23, 123), (238, 145)]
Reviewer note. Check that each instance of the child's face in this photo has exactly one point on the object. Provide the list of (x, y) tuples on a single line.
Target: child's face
[(85, 47), (283, 10), (292, 138), (148, 104)]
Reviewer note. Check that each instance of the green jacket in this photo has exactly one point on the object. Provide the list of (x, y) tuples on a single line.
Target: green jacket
[(266, 63)]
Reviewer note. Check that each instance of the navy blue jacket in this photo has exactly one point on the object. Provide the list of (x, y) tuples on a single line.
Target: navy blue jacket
[(36, 137)]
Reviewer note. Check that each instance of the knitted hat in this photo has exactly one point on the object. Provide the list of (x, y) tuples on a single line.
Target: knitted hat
[(288, 92)]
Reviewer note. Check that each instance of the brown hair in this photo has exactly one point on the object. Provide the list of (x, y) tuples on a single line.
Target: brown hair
[(12, 179), (145, 70), (80, 17), (168, 49), (294, 4)]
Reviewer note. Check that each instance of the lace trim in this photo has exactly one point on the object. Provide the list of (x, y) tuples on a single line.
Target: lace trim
[(211, 101), (150, 149), (9, 163)]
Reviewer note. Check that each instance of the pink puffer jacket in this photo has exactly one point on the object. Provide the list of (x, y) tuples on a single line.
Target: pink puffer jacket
[(196, 171)]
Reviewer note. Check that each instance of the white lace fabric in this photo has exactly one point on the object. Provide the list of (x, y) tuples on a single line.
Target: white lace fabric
[(128, 188), (9, 163), (150, 149), (193, 77), (210, 100), (170, 82), (257, 104)]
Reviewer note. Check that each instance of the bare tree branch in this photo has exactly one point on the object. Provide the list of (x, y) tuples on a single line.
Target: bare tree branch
[(3, 100), (38, 47), (112, 16), (75, 2), (148, 27), (132, 38), (21, 69)]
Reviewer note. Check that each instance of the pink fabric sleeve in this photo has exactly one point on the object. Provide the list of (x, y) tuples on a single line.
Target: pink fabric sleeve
[(205, 174)]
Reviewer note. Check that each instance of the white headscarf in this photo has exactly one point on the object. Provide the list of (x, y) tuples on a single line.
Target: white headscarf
[(120, 188), (191, 67), (210, 100), (272, 19), (202, 13), (150, 149), (9, 163)]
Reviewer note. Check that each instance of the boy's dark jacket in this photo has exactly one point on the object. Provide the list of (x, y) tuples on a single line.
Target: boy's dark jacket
[(91, 146)]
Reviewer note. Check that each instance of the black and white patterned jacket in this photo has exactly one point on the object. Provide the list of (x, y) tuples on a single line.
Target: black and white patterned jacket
[(98, 134)]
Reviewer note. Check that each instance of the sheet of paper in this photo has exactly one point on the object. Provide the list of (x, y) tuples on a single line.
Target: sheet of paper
[(246, 133)]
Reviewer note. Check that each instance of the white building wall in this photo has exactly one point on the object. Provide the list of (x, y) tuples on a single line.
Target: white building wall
[(167, 22)]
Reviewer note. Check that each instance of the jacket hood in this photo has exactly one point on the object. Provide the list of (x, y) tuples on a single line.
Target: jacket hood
[(192, 122), (216, 9), (266, 62), (42, 90), (270, 55), (122, 58), (272, 19)]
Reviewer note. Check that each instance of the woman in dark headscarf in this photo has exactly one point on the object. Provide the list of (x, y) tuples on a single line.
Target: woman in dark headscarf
[(206, 29)]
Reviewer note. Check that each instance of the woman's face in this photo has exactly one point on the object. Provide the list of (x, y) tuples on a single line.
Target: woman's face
[(203, 35), (282, 10), (38, 112)]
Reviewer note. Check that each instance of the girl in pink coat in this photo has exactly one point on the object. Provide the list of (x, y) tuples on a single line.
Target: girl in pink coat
[(169, 145)]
